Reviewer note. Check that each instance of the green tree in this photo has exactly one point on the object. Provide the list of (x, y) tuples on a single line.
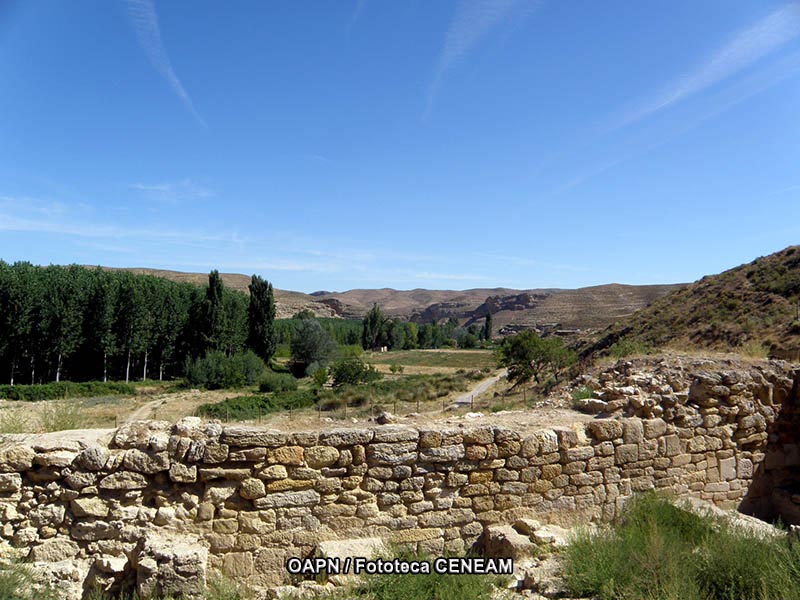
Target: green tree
[(214, 316), (486, 332), (374, 329), (526, 356), (261, 319), (311, 344), (100, 311)]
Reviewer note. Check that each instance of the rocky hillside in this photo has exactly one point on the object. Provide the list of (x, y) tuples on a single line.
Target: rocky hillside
[(752, 305), (589, 308)]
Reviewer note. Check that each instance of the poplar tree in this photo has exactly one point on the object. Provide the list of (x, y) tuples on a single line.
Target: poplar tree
[(261, 319)]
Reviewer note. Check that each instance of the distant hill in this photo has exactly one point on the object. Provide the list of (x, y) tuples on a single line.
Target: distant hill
[(589, 308), (752, 304)]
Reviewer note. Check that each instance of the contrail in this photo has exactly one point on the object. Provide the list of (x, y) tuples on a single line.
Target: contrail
[(144, 19)]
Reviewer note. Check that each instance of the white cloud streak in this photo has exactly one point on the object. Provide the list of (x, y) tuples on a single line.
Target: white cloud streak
[(472, 22), (744, 50), (144, 19), (173, 191)]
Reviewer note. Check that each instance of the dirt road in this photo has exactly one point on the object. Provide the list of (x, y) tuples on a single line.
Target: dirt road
[(467, 398)]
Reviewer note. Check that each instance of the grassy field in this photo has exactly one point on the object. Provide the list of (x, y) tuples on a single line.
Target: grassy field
[(444, 359)]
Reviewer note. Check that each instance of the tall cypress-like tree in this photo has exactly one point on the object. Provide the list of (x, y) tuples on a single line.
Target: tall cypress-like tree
[(486, 334), (215, 315), (261, 319), (373, 332)]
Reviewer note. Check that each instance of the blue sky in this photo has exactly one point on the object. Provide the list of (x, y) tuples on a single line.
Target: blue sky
[(334, 145)]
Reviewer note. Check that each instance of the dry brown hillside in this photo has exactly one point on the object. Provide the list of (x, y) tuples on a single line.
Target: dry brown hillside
[(589, 308), (753, 304)]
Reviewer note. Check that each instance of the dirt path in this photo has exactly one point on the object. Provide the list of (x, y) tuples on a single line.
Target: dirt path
[(144, 412), (467, 398)]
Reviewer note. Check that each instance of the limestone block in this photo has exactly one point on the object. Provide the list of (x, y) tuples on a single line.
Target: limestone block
[(321, 456), (171, 565), (604, 429), (627, 453), (252, 489), (16, 459), (392, 454), (243, 436), (144, 462), (288, 499), (89, 507), (395, 433), (54, 550), (345, 437), (123, 480), (10, 482)]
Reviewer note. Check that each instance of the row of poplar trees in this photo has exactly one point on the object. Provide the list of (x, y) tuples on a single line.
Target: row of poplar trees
[(83, 323)]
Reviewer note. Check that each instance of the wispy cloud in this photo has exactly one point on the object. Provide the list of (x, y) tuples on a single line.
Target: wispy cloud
[(472, 22), (360, 4), (173, 191), (744, 49), (143, 16), (718, 102)]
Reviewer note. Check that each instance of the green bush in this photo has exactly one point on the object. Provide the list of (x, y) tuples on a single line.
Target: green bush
[(623, 348), (583, 392), (65, 389), (16, 583), (353, 371), (243, 408), (433, 586), (277, 382), (217, 370), (656, 551), (396, 369)]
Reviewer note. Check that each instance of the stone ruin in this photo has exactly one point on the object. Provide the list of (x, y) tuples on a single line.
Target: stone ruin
[(157, 507)]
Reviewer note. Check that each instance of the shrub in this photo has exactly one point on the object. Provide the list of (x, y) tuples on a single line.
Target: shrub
[(242, 408), (623, 348), (353, 371), (433, 586), (583, 392), (277, 382), (61, 415), (65, 389), (217, 370), (657, 550), (320, 377), (754, 349), (17, 583), (395, 368)]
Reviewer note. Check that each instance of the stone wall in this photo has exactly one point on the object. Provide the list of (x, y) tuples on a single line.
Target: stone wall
[(148, 505)]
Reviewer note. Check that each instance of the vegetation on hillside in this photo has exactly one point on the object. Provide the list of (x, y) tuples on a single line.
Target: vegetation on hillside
[(657, 551), (751, 306)]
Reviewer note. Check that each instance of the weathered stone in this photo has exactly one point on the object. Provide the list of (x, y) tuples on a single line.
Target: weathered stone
[(321, 456), (252, 489), (123, 480), (288, 499), (345, 437), (272, 472), (604, 429), (396, 433), (171, 565), (10, 482), (242, 436), (504, 541), (137, 434), (93, 458), (181, 473), (89, 507), (16, 459), (54, 550), (144, 462), (442, 454), (392, 454)]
